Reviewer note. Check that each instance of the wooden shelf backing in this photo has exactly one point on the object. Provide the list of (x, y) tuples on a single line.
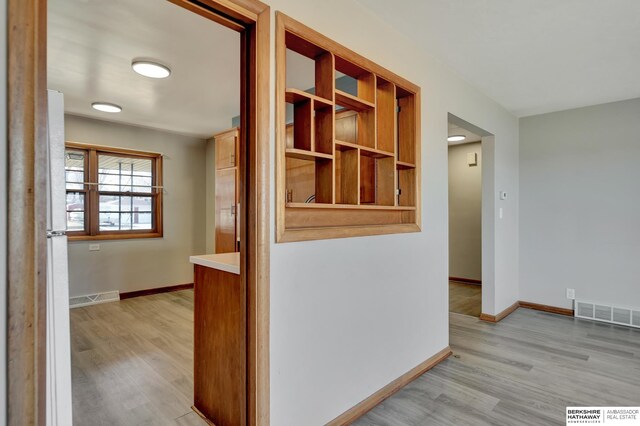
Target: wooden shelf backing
[(352, 102), (347, 177), (385, 181), (303, 125), (295, 96), (308, 177), (407, 129), (407, 187), (386, 120), (356, 127), (324, 133)]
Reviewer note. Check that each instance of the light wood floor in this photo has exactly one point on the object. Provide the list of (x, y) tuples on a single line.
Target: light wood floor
[(132, 361), (465, 298), (132, 365), (522, 371)]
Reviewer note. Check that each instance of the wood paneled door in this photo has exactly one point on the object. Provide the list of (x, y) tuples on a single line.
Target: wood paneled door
[(226, 210), (227, 192)]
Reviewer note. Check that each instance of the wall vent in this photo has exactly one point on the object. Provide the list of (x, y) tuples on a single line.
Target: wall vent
[(94, 299), (606, 313)]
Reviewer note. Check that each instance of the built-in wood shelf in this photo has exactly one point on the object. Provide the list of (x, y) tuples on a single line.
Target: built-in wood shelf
[(352, 102), (349, 206), (295, 96), (302, 154), (364, 150), (403, 166), (348, 158)]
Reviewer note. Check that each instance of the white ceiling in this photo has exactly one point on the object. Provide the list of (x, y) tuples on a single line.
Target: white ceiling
[(455, 130), (91, 44), (531, 56)]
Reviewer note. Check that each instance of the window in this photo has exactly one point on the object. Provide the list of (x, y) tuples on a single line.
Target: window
[(112, 193)]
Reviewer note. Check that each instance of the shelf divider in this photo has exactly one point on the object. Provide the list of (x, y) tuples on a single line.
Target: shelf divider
[(302, 154), (351, 102)]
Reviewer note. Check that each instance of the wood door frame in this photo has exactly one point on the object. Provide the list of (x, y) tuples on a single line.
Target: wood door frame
[(26, 233)]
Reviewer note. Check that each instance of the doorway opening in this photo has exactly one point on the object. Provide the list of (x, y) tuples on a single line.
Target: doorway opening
[(466, 186), (32, 363)]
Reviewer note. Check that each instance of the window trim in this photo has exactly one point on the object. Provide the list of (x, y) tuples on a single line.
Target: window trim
[(92, 230)]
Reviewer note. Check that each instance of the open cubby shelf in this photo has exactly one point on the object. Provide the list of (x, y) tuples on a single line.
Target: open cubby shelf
[(349, 158)]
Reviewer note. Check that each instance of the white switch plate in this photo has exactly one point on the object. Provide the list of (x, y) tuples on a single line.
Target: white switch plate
[(94, 247), (571, 293)]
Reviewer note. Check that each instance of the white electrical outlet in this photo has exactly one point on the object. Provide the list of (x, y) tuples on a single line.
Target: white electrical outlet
[(94, 247), (571, 293)]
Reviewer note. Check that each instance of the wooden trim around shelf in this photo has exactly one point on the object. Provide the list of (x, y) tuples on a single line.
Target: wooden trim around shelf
[(502, 315), (156, 290), (306, 234), (466, 280), (369, 403), (547, 308), (305, 222)]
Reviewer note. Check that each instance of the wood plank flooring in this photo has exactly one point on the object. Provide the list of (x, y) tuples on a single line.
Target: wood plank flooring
[(132, 362), (465, 298), (522, 371), (133, 365)]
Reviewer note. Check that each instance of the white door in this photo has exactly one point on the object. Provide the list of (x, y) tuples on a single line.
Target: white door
[(58, 335)]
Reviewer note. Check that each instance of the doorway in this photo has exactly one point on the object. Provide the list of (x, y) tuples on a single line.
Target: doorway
[(467, 226), (27, 374)]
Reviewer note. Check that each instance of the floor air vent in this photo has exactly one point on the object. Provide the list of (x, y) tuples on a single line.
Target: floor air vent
[(94, 299), (606, 313)]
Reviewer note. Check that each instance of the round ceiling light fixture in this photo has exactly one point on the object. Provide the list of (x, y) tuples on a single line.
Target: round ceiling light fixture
[(106, 107), (456, 138), (150, 69)]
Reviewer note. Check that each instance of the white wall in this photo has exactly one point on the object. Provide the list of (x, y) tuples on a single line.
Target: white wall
[(465, 212), (580, 204), (3, 211), (128, 265), (349, 316)]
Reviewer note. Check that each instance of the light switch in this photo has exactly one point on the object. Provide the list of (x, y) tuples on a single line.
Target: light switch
[(472, 159), (94, 247)]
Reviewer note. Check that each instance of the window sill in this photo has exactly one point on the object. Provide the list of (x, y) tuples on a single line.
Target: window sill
[(122, 236)]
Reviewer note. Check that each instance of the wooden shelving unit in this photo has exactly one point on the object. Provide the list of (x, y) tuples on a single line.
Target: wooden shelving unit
[(348, 160)]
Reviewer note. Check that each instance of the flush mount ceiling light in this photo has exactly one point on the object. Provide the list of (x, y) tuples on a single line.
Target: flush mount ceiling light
[(106, 107), (456, 138), (150, 69)]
